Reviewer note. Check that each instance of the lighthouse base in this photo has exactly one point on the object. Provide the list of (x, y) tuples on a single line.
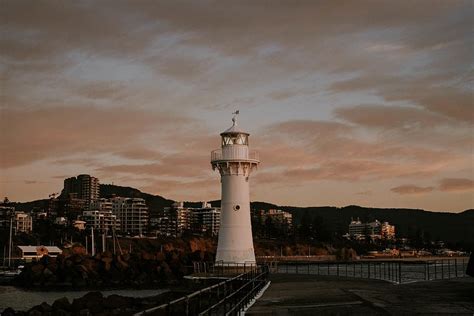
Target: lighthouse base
[(235, 257)]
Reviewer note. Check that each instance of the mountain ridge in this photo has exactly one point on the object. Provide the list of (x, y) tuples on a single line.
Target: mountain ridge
[(411, 223)]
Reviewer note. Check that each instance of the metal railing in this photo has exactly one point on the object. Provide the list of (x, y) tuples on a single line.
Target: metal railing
[(221, 268), (234, 154), (397, 271), (228, 297)]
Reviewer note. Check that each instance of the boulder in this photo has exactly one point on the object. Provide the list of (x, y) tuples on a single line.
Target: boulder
[(34, 312), (45, 308), (8, 312), (92, 301), (61, 312), (62, 303), (116, 301)]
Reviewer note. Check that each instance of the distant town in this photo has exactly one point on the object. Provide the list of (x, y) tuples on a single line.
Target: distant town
[(80, 211)]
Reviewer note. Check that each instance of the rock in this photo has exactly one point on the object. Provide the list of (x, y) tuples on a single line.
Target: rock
[(61, 312), (47, 272), (62, 303), (45, 308), (84, 312), (8, 312), (92, 301), (116, 301), (34, 312)]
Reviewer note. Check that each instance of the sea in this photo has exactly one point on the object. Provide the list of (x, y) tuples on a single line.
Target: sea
[(22, 300)]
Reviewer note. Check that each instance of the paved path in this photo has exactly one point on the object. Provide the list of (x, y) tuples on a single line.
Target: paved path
[(315, 295)]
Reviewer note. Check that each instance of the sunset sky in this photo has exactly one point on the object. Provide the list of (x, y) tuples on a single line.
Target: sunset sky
[(348, 102)]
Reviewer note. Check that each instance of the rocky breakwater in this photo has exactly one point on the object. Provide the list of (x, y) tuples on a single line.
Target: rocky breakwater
[(94, 303), (77, 270)]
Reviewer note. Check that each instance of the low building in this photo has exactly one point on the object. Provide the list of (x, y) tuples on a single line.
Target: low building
[(175, 220), (79, 225), (280, 218), (23, 223), (205, 220), (375, 229), (28, 253)]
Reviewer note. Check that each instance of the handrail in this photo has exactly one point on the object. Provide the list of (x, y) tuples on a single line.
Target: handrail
[(396, 271), (256, 274)]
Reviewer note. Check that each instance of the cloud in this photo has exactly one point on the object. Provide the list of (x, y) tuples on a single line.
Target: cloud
[(399, 117), (139, 153), (30, 135), (456, 185), (191, 190), (411, 189)]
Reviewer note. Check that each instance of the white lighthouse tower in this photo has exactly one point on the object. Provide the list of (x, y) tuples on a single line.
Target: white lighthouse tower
[(235, 163)]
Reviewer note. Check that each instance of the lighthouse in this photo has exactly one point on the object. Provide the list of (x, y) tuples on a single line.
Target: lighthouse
[(235, 163)]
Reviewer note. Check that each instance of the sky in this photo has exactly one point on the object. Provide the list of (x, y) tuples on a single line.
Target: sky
[(347, 102)]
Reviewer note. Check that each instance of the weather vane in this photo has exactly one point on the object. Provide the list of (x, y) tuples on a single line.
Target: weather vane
[(234, 118)]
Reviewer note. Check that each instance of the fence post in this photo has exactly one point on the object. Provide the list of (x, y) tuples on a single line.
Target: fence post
[(308, 268), (456, 267), (337, 267), (427, 270), (368, 270), (318, 268), (442, 269), (400, 272), (187, 306), (389, 270), (328, 267), (347, 264)]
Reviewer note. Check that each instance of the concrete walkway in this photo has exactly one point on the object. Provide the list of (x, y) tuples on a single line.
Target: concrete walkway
[(315, 295)]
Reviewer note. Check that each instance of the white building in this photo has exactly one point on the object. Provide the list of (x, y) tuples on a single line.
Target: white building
[(374, 229), (132, 213), (28, 253), (235, 163), (23, 223), (104, 221), (177, 219), (205, 220)]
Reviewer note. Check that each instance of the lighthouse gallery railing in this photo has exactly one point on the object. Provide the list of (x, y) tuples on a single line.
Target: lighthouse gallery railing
[(234, 153)]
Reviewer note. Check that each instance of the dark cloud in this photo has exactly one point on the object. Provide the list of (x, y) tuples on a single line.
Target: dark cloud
[(456, 185), (411, 189)]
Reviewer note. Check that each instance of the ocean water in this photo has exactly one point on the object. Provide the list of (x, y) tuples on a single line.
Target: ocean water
[(21, 300)]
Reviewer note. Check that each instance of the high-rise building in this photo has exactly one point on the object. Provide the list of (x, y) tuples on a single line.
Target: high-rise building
[(102, 220), (132, 213), (84, 187)]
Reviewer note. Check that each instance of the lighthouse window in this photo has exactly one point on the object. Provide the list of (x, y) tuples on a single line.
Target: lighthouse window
[(237, 207), (239, 139)]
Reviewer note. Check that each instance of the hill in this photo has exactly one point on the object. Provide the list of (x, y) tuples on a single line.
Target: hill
[(411, 223)]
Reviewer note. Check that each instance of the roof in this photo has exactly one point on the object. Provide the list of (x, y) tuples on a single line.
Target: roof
[(234, 129), (35, 248)]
